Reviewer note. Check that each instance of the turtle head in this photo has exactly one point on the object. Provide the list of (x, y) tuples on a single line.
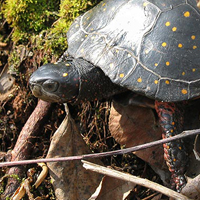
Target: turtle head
[(55, 82)]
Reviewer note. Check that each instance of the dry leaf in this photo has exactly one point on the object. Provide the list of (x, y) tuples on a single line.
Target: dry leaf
[(112, 189), (42, 175), (6, 80), (197, 147), (157, 197), (192, 189), (70, 180), (24, 188), (133, 125)]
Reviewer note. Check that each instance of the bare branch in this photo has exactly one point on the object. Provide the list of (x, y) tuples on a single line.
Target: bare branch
[(110, 153), (134, 179)]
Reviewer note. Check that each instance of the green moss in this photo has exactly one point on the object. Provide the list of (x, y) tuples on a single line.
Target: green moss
[(29, 16), (41, 26), (69, 10), (54, 39)]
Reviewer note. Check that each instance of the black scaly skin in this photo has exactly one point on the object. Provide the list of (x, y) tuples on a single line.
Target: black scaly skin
[(93, 83), (171, 120)]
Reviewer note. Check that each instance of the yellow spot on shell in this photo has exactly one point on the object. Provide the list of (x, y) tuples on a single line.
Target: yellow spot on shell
[(156, 64), (167, 82), (174, 159), (82, 50), (65, 74), (180, 148), (184, 91), (186, 14), (164, 44), (183, 73), (121, 75), (111, 65), (103, 4), (174, 29), (171, 130), (173, 123), (194, 47), (180, 45), (139, 80), (167, 24), (193, 37), (167, 63), (67, 64), (86, 35), (156, 81), (193, 69), (145, 4)]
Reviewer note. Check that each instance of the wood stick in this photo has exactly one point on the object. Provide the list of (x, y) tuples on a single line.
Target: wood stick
[(134, 179), (110, 153), (25, 144)]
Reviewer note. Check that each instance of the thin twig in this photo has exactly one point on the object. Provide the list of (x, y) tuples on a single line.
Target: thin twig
[(134, 179), (110, 153)]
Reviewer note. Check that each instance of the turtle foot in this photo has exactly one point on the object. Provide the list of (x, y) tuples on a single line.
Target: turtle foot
[(176, 157)]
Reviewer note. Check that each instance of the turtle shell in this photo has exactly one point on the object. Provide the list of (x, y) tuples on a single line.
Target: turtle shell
[(151, 47)]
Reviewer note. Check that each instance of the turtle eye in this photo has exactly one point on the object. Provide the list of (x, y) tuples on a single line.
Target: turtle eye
[(50, 85)]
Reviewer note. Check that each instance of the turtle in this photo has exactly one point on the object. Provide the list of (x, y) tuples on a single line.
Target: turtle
[(148, 47)]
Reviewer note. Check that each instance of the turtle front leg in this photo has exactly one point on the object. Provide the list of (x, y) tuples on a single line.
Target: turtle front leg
[(171, 120)]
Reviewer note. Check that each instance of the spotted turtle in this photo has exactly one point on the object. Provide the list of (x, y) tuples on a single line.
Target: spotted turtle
[(150, 47)]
